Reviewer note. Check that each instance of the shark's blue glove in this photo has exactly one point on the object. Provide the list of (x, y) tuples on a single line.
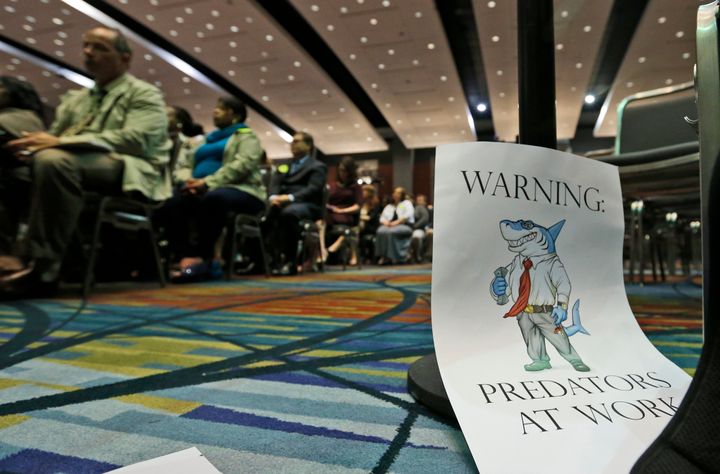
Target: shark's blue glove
[(559, 315), (499, 286)]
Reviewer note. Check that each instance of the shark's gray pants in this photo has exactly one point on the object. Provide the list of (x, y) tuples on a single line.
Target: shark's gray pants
[(535, 328)]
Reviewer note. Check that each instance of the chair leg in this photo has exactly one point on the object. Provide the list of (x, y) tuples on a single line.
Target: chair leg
[(90, 270), (156, 253), (266, 264), (230, 264)]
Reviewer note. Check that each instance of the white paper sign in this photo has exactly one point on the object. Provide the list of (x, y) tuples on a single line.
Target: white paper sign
[(534, 393), (187, 461)]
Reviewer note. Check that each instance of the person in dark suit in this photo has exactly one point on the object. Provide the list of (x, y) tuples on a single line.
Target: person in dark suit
[(296, 193)]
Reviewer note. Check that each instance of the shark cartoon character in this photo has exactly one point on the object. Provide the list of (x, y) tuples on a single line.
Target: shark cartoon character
[(538, 284)]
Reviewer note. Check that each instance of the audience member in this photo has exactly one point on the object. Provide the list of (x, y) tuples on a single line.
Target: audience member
[(109, 139), (422, 219), (223, 176), (296, 193), (369, 220), (343, 207), (21, 112), (393, 235), (182, 131)]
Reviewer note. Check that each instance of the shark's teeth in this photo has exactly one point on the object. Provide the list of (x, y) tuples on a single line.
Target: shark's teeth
[(527, 238)]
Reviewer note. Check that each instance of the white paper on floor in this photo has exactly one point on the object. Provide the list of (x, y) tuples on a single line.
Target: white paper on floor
[(187, 461), (532, 392)]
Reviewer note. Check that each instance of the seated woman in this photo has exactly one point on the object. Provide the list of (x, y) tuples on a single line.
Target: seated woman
[(20, 111), (343, 207), (223, 177), (369, 220), (393, 236), (185, 136)]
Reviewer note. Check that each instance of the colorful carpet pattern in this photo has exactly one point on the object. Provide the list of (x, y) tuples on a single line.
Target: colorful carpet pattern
[(306, 374)]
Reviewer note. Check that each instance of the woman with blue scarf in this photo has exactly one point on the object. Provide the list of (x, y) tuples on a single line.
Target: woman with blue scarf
[(221, 176)]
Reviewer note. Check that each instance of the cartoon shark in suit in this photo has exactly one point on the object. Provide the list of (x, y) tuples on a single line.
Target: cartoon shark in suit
[(539, 286)]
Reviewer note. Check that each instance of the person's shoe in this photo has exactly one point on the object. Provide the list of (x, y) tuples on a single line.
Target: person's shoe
[(580, 366), (285, 270), (197, 272), (537, 366), (27, 283)]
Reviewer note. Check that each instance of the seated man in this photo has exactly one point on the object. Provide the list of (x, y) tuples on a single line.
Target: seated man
[(422, 219), (111, 139), (296, 193)]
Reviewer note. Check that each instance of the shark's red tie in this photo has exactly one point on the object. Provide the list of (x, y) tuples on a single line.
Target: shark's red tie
[(522, 300)]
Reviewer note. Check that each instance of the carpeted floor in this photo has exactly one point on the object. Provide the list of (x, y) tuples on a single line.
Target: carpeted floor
[(303, 374)]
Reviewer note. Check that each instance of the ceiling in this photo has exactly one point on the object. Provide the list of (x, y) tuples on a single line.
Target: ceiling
[(358, 74)]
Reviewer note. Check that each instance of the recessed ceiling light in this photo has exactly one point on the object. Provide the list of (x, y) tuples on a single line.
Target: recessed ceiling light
[(578, 65), (343, 10), (31, 40), (686, 55), (435, 134), (31, 19), (234, 28), (418, 102), (418, 14), (265, 98), (481, 107), (388, 105), (10, 67), (249, 19), (373, 21), (59, 54), (27, 27), (451, 99), (57, 21), (263, 68), (269, 37), (416, 62), (662, 20), (363, 39), (564, 13), (399, 122), (679, 34), (629, 84), (491, 4), (352, 57), (391, 52), (197, 106), (179, 19), (502, 94), (188, 10), (187, 91), (572, 89), (197, 49), (443, 78), (150, 17), (361, 1), (151, 71), (263, 81), (291, 77), (10, 9), (264, 54), (369, 139), (15, 61), (331, 28), (381, 66), (499, 72), (215, 13), (315, 8), (587, 28), (589, 99), (200, 34), (386, 3), (173, 33), (356, 125), (62, 34), (495, 39), (342, 110), (642, 59), (374, 86), (331, 128), (324, 92), (232, 44), (297, 64), (185, 79), (668, 81), (148, 57), (431, 46), (559, 46)]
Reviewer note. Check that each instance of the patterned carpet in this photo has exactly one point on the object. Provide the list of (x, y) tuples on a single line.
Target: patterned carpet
[(303, 374)]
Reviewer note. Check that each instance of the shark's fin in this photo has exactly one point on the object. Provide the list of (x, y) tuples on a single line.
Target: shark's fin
[(555, 229)]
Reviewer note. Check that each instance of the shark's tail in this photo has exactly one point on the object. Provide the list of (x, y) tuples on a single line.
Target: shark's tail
[(576, 324)]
